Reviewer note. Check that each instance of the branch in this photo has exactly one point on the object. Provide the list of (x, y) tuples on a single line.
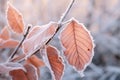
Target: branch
[(22, 57), (59, 27), (66, 12), (17, 48), (62, 19)]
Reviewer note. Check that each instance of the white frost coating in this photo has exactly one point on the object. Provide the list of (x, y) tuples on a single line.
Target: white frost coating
[(39, 39), (7, 67), (63, 48), (45, 58), (35, 71), (81, 72), (46, 61)]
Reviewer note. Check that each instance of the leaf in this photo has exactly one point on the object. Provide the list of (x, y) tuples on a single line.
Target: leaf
[(36, 40), (34, 31), (15, 19), (18, 75), (7, 67), (9, 44), (34, 60), (78, 43), (31, 72), (55, 62), (5, 35)]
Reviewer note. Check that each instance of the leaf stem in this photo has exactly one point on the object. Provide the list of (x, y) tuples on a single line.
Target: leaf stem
[(19, 45)]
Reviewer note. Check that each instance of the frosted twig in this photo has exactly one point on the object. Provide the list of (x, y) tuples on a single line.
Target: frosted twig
[(66, 12), (59, 25), (19, 45), (62, 19)]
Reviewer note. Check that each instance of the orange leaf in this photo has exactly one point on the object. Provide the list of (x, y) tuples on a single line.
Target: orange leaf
[(18, 75), (5, 35), (78, 43), (34, 60), (15, 19), (55, 62), (31, 72), (36, 40), (9, 44)]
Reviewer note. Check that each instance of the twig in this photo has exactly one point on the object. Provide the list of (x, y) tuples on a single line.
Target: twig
[(17, 48), (23, 56), (66, 12), (96, 69), (59, 26), (62, 19)]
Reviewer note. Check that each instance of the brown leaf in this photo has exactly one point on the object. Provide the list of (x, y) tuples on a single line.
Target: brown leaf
[(78, 43), (34, 60), (5, 35), (36, 40), (15, 19), (18, 75), (55, 62), (31, 72), (9, 44)]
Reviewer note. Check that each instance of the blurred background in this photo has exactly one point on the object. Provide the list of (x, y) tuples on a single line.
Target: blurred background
[(101, 17)]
